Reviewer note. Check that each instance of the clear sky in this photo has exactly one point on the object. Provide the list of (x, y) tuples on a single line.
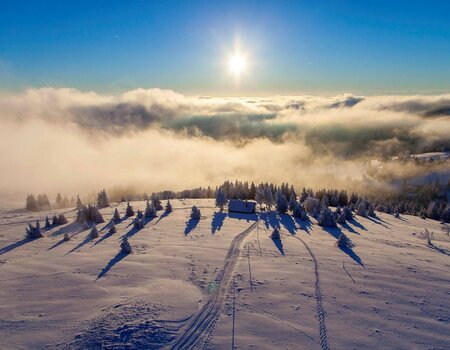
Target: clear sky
[(290, 46)]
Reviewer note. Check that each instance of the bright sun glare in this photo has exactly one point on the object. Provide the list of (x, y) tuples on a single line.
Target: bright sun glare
[(237, 64)]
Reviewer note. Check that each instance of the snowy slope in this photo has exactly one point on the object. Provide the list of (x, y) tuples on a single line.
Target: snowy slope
[(391, 291)]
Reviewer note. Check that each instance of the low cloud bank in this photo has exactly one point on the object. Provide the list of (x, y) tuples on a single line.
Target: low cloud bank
[(64, 138)]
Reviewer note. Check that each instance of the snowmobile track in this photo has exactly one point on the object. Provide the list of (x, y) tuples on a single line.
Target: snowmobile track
[(203, 321), (318, 295)]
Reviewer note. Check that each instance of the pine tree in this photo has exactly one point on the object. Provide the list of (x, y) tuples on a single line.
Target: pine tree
[(361, 208), (129, 211), (55, 220), (281, 202), (66, 237), (370, 211), (116, 216), (168, 207), (112, 227), (326, 218), (268, 197), (47, 222), (31, 203), (344, 242), (341, 219), (94, 233), (292, 202), (125, 246), (150, 211), (311, 205), (58, 200), (102, 200), (79, 204), (34, 232), (195, 213), (62, 219), (221, 199)]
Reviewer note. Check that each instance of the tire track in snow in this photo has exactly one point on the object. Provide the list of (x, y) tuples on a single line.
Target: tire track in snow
[(318, 295), (203, 321)]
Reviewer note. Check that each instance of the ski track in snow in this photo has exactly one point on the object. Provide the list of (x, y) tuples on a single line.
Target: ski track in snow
[(318, 295), (202, 323)]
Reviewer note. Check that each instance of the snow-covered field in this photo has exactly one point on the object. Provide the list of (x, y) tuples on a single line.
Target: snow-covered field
[(392, 291)]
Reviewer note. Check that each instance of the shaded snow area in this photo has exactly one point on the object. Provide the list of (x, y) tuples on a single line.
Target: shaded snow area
[(188, 282)]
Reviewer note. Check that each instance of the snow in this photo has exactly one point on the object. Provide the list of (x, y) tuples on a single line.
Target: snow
[(390, 291)]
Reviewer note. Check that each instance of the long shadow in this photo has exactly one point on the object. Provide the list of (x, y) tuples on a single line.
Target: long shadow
[(110, 264), (243, 216), (61, 241), (190, 225), (271, 220), (439, 249), (334, 231), (15, 245), (86, 240), (105, 236), (357, 224), (378, 222), (304, 225), (353, 255), (68, 228), (217, 221), (279, 244), (165, 214), (350, 229), (288, 223)]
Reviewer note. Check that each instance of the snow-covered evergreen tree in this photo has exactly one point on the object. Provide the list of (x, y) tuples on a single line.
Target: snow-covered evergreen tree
[(281, 202), (55, 220), (34, 232), (125, 246), (195, 213), (102, 200), (268, 197), (168, 207), (150, 210), (324, 202), (156, 202), (292, 202), (221, 199), (139, 214), (326, 218), (344, 242), (259, 196), (112, 227), (129, 211), (66, 237), (341, 219), (62, 219), (47, 222), (31, 203), (361, 208), (348, 213), (94, 233), (116, 216), (138, 223), (79, 204), (370, 211), (297, 211), (311, 205)]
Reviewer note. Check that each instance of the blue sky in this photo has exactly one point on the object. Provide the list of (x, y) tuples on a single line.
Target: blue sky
[(292, 46)]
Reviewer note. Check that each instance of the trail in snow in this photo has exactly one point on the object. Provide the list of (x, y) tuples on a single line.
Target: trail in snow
[(318, 295), (203, 321)]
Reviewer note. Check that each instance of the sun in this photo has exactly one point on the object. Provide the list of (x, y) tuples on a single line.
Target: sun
[(237, 64)]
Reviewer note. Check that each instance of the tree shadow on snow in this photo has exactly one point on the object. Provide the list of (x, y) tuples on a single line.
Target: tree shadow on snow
[(217, 221), (279, 244), (357, 224), (349, 228), (61, 241), (288, 223), (190, 225), (304, 225), (377, 221), (15, 245), (439, 249), (135, 230), (120, 256), (270, 220), (86, 240), (73, 227), (336, 232), (163, 215), (353, 255)]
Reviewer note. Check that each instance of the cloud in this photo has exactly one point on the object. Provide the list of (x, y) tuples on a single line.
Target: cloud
[(55, 138)]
